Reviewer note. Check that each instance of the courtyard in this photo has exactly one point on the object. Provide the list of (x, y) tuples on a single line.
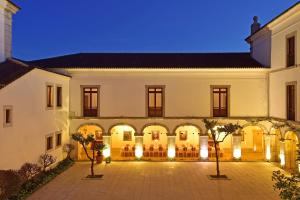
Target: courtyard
[(163, 180)]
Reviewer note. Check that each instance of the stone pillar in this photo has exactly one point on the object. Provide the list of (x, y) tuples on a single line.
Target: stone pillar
[(236, 145), (268, 147), (282, 153), (203, 143), (139, 150), (107, 143), (171, 147)]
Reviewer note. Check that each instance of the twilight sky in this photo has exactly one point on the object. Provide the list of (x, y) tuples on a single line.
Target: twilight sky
[(46, 28)]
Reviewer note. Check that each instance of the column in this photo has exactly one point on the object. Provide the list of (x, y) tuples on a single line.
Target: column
[(139, 150), (171, 147), (203, 143), (282, 153), (236, 144), (268, 147), (107, 143)]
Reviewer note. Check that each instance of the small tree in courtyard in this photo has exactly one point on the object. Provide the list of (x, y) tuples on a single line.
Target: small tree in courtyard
[(218, 135), (85, 142), (46, 160), (68, 148)]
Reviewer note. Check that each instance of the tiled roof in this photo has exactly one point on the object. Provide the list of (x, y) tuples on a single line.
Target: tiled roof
[(150, 60), (11, 70)]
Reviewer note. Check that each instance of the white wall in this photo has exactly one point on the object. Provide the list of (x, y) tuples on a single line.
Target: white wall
[(122, 93), (25, 140), (261, 48), (278, 81)]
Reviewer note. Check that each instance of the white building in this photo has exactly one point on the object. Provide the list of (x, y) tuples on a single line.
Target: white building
[(152, 106)]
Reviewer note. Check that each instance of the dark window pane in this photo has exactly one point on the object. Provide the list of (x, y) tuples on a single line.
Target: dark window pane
[(220, 102), (7, 116), (155, 102), (90, 102), (59, 96)]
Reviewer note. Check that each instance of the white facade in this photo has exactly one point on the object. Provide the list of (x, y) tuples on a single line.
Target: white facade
[(25, 139)]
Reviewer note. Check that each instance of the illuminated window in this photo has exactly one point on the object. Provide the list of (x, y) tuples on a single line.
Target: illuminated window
[(290, 51), (90, 101), (50, 96), (220, 101), (7, 116), (58, 96), (49, 143), (155, 101)]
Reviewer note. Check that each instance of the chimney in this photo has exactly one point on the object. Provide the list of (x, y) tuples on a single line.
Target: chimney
[(7, 9), (255, 26)]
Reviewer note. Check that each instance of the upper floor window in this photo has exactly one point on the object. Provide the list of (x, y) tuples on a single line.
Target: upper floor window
[(155, 99), (90, 101), (291, 51), (220, 101), (50, 96), (291, 101), (58, 96), (7, 111)]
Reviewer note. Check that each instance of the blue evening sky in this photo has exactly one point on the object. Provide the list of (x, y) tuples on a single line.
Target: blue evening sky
[(45, 28)]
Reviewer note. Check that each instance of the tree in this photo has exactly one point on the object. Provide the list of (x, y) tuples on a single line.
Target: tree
[(85, 142), (218, 134), (68, 148)]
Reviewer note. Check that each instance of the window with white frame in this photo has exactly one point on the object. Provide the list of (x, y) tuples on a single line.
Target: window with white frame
[(49, 142), (50, 96), (58, 139)]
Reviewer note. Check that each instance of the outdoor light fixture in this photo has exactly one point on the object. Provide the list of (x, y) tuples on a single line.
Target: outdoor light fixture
[(204, 153), (171, 153), (139, 152), (237, 154), (268, 153), (106, 152)]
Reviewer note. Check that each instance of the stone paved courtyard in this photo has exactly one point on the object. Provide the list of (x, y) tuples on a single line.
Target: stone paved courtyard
[(163, 181)]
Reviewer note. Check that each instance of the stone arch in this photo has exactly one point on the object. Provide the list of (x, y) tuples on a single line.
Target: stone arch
[(91, 124), (155, 124), (121, 124), (188, 124), (265, 130), (291, 140)]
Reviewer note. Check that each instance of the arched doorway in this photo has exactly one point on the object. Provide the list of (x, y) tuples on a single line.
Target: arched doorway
[(122, 142), (187, 141), (253, 146), (85, 130), (291, 146), (155, 141)]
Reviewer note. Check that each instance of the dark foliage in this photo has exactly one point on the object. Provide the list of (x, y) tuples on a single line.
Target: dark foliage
[(47, 160), (28, 171), (10, 183)]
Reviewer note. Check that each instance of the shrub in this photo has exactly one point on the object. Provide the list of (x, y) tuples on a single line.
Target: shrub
[(287, 185), (10, 183), (47, 160), (28, 171)]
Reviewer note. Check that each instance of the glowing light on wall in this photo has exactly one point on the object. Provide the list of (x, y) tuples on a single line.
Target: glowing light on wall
[(204, 153), (106, 152), (139, 152), (171, 153), (282, 159), (237, 153), (268, 153), (268, 147)]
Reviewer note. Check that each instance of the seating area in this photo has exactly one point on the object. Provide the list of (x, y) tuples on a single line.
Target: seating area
[(187, 151), (155, 151)]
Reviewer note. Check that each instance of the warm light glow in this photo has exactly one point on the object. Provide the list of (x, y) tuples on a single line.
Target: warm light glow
[(204, 153), (139, 152), (171, 153), (237, 153), (268, 153), (282, 159), (106, 152)]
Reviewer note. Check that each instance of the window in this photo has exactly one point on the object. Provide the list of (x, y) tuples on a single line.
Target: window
[(7, 118), (291, 102), (155, 101), (50, 95), (58, 139), (49, 143), (90, 101), (58, 96), (220, 101), (290, 51)]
